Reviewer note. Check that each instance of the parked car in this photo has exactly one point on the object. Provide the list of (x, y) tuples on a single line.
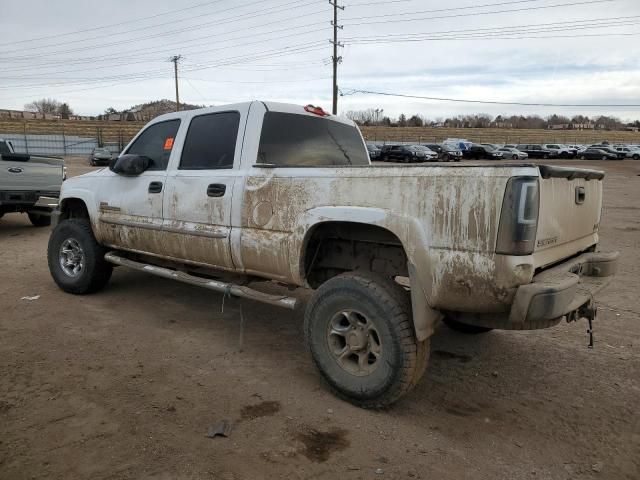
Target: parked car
[(100, 156), (607, 148), (536, 150), (577, 148), (29, 184), (480, 247), (592, 153), (629, 152), (403, 153), (446, 152), (374, 151), (562, 151), (513, 153), (482, 152), (430, 155)]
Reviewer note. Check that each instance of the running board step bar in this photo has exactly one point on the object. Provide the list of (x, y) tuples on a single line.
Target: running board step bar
[(215, 285)]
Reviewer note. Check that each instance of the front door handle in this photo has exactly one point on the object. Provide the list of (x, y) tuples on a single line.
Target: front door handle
[(216, 190), (155, 187)]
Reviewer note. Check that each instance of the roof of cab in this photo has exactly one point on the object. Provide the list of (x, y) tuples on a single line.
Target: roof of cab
[(270, 106)]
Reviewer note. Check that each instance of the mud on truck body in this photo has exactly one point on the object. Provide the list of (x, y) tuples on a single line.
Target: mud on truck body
[(224, 196)]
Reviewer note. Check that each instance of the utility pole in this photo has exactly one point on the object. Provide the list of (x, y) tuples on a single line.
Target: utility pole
[(335, 58), (175, 59)]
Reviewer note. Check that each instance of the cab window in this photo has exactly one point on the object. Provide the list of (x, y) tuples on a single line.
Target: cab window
[(211, 142), (156, 143)]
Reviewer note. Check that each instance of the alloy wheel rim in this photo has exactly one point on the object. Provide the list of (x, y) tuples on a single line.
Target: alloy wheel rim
[(354, 342), (71, 257)]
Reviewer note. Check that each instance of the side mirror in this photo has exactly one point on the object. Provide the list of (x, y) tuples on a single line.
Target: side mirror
[(129, 165)]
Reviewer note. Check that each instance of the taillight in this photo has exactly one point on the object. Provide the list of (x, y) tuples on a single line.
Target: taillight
[(519, 217)]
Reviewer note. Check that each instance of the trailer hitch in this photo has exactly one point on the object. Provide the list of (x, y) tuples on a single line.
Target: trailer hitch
[(588, 311)]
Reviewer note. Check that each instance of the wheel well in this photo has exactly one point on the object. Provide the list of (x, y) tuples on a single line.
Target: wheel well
[(333, 248), (73, 208)]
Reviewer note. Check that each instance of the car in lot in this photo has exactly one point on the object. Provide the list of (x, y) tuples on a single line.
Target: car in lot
[(562, 151), (29, 184), (536, 150), (593, 153), (221, 196), (446, 152), (430, 155), (482, 152), (629, 152), (100, 156), (513, 153), (609, 149), (374, 151), (402, 153)]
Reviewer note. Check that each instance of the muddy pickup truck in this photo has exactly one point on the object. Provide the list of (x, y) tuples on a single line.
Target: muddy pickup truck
[(227, 197), (29, 184)]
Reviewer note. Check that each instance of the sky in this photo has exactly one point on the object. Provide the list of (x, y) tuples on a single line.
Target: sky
[(96, 55)]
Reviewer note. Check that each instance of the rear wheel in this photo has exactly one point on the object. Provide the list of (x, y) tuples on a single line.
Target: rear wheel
[(445, 157), (385, 158), (359, 329), (604, 157), (407, 159), (464, 327), (514, 156), (39, 220), (76, 259), (545, 156), (582, 157), (635, 156)]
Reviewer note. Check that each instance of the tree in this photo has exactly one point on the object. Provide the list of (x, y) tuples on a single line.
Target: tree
[(44, 105), (65, 111), (415, 121), (110, 110), (402, 120)]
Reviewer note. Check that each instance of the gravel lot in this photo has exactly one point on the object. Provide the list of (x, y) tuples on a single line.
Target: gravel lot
[(125, 383)]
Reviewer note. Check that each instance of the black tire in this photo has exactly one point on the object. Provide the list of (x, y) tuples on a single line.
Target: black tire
[(39, 220), (406, 159), (95, 272), (464, 327), (635, 156), (514, 156), (582, 157), (385, 158), (604, 157), (545, 156), (402, 359), (445, 157)]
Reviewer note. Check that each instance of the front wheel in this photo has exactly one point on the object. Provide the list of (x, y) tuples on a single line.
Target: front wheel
[(359, 329), (582, 157), (39, 220), (445, 157), (76, 259), (604, 157), (514, 156)]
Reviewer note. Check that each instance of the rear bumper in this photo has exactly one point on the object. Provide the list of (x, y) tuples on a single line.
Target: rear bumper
[(28, 198), (563, 290)]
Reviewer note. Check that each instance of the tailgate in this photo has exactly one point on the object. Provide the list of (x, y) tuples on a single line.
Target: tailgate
[(44, 174), (570, 207)]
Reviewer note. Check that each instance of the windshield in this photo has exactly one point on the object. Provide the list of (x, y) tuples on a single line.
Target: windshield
[(4, 148)]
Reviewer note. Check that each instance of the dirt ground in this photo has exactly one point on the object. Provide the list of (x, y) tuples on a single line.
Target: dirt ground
[(126, 383)]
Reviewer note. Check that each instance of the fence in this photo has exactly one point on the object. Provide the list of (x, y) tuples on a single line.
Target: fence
[(58, 145)]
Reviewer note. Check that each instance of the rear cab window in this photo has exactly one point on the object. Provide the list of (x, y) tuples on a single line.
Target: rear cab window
[(156, 143), (294, 140)]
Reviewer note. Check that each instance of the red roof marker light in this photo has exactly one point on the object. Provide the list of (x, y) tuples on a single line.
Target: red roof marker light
[(316, 111)]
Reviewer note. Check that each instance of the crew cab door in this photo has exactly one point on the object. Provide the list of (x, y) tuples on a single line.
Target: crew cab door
[(197, 202), (130, 207)]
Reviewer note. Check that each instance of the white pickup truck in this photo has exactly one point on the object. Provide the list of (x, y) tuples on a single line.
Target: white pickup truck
[(29, 183), (222, 197)]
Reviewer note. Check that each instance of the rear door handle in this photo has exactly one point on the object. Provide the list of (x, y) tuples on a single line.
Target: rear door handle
[(580, 195), (216, 190), (155, 187)]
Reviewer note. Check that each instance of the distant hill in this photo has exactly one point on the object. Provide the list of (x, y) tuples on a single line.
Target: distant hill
[(149, 110)]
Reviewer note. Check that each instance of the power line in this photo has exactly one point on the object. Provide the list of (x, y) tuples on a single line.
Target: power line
[(484, 102), (237, 18), (493, 12)]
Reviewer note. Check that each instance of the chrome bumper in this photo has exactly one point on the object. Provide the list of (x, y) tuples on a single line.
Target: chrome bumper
[(47, 202)]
